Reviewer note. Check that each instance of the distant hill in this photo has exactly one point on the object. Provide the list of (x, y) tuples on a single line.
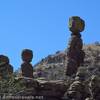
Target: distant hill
[(53, 66)]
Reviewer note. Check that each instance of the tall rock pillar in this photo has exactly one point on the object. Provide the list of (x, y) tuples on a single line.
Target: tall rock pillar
[(75, 53)]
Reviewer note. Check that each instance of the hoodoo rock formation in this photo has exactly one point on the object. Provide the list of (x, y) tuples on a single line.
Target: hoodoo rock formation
[(75, 54), (26, 67), (6, 70)]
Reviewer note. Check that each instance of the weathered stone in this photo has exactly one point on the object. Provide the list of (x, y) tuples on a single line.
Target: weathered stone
[(75, 42), (27, 55), (95, 87), (75, 53), (49, 90), (71, 67), (52, 85), (26, 67), (27, 70), (6, 70), (29, 83), (76, 24), (78, 90), (52, 90)]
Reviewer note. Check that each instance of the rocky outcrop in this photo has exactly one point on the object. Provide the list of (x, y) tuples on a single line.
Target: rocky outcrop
[(50, 66), (46, 90)]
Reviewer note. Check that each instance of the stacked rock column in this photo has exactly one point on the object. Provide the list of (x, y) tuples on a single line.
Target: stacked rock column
[(75, 54), (26, 66), (6, 69)]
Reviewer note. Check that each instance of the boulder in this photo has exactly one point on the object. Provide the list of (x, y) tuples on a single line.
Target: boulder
[(76, 24)]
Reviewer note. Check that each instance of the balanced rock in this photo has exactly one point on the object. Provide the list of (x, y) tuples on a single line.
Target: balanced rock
[(6, 69), (75, 53), (26, 67)]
